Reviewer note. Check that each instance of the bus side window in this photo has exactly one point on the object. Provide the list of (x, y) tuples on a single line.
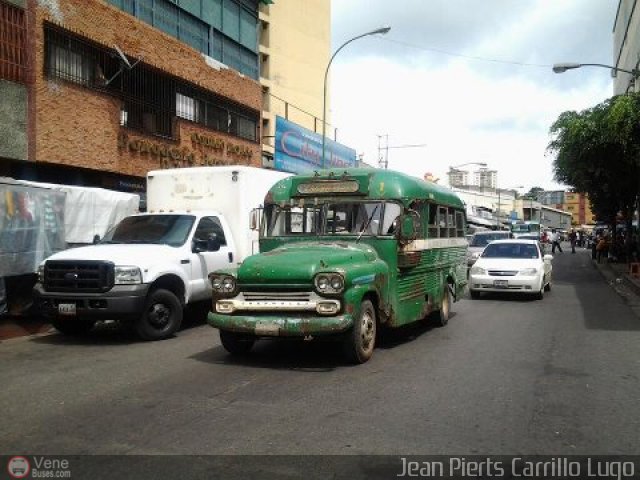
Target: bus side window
[(451, 223), (442, 222), (433, 221), (459, 224), (391, 213)]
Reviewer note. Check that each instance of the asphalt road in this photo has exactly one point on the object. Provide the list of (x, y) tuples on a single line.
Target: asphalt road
[(506, 376)]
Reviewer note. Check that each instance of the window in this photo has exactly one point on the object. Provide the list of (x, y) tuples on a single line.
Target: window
[(187, 108), (459, 224), (207, 227), (12, 43), (68, 62), (443, 231), (392, 212), (231, 19), (433, 221), (212, 13)]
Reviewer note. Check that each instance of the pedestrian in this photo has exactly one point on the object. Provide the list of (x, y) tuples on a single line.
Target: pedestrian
[(602, 248), (594, 243), (573, 238), (555, 241)]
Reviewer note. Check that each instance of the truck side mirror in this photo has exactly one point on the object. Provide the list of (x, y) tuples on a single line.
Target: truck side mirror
[(213, 243), (96, 239)]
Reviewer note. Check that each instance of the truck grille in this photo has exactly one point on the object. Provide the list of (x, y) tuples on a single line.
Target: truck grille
[(78, 276)]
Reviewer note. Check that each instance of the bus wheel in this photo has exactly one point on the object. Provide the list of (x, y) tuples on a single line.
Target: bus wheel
[(361, 340), (236, 343), (442, 315)]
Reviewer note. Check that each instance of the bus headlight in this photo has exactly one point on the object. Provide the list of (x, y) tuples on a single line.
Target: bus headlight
[(328, 283), (125, 275), (222, 284)]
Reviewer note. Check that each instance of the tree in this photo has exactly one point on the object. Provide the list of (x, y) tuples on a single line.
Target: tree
[(597, 151)]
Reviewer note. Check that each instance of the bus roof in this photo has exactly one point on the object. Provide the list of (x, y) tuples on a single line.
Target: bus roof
[(377, 184)]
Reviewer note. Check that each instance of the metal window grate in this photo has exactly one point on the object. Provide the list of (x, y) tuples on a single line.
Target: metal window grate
[(12, 44), (151, 100)]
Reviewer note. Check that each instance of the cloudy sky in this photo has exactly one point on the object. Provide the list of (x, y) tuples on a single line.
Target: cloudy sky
[(470, 79)]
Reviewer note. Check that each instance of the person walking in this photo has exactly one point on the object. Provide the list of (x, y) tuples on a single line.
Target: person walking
[(573, 238), (555, 241)]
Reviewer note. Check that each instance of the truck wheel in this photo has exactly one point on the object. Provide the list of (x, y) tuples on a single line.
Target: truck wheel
[(162, 316), (361, 340), (236, 343), (72, 326), (441, 316)]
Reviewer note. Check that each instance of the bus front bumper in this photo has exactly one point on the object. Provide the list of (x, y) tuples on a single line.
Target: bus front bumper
[(283, 325)]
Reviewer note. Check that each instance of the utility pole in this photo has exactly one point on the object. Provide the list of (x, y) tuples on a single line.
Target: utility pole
[(383, 162)]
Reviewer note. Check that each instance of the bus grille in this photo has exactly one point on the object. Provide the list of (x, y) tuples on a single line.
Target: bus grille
[(78, 276)]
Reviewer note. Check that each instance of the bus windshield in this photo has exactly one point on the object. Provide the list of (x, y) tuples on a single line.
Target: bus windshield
[(522, 228), (335, 218)]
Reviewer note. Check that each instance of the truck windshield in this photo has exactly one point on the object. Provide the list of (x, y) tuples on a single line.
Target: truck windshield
[(336, 218), (172, 230)]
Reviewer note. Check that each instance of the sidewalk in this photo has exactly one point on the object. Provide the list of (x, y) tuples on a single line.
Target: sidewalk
[(618, 277)]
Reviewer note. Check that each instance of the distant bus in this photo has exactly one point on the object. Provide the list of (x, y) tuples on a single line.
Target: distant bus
[(524, 228)]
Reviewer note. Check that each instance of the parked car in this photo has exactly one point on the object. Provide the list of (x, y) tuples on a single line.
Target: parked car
[(511, 266), (481, 240)]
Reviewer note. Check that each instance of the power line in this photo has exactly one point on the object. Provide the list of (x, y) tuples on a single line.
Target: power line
[(461, 55)]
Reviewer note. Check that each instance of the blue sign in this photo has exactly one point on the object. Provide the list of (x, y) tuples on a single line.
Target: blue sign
[(299, 150)]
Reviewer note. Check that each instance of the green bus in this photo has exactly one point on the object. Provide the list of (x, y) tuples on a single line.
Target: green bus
[(344, 253)]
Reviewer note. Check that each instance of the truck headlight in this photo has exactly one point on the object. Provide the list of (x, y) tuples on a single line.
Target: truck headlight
[(329, 283), (222, 283), (41, 273), (127, 275), (528, 272), (478, 271)]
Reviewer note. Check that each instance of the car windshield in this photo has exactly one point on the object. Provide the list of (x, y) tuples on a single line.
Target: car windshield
[(340, 219), (171, 230), (483, 240), (511, 250)]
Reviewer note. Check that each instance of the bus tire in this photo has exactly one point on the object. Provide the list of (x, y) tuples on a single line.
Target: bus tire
[(236, 343), (162, 316), (361, 339), (442, 315)]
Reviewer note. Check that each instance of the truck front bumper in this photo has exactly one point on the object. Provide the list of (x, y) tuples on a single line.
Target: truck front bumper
[(122, 302), (288, 324)]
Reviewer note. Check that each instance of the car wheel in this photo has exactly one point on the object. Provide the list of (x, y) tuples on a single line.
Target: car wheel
[(540, 294), (547, 287), (361, 339), (441, 316), (475, 295), (162, 316), (236, 343), (73, 326)]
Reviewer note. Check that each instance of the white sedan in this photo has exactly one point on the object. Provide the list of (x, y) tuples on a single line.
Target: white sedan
[(511, 266)]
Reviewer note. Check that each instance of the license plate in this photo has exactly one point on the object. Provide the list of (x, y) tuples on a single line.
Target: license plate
[(267, 328), (67, 308), (500, 283)]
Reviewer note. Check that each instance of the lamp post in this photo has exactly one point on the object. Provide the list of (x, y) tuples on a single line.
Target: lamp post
[(563, 67), (381, 30)]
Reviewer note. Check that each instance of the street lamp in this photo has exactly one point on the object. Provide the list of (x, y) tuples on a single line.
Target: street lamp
[(381, 30), (563, 67)]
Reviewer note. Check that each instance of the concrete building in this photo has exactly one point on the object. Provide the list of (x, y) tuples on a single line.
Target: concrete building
[(580, 208), (626, 46), (98, 92), (458, 178), (295, 48), (485, 178)]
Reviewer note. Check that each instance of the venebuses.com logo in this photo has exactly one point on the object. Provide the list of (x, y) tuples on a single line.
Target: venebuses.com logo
[(38, 467)]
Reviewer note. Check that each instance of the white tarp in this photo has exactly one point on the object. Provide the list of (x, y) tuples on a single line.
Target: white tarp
[(92, 211)]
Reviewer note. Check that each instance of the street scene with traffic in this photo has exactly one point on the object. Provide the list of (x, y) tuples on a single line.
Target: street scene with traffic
[(213, 264)]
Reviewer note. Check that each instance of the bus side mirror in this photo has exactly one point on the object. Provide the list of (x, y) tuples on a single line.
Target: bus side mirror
[(409, 224), (254, 219)]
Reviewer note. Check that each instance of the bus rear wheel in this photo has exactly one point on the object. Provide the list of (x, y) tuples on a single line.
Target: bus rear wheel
[(442, 315), (361, 339)]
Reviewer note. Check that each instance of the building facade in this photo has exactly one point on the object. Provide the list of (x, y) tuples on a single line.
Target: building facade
[(580, 207), (485, 178), (626, 46), (107, 90), (458, 178), (295, 48)]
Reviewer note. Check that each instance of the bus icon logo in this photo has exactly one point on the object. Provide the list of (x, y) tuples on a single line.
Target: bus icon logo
[(18, 467)]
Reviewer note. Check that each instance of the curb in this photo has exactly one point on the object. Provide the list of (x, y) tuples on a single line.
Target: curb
[(15, 327), (612, 276)]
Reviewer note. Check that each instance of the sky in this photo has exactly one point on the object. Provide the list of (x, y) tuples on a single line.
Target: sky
[(469, 80)]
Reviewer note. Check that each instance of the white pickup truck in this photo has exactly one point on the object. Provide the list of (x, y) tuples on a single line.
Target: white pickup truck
[(152, 265)]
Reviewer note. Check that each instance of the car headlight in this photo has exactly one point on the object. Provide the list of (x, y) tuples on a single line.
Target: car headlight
[(528, 271), (126, 275), (222, 283), (41, 273), (329, 283), (478, 271)]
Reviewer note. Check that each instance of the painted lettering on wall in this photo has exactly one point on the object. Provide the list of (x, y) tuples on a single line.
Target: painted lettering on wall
[(209, 151)]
